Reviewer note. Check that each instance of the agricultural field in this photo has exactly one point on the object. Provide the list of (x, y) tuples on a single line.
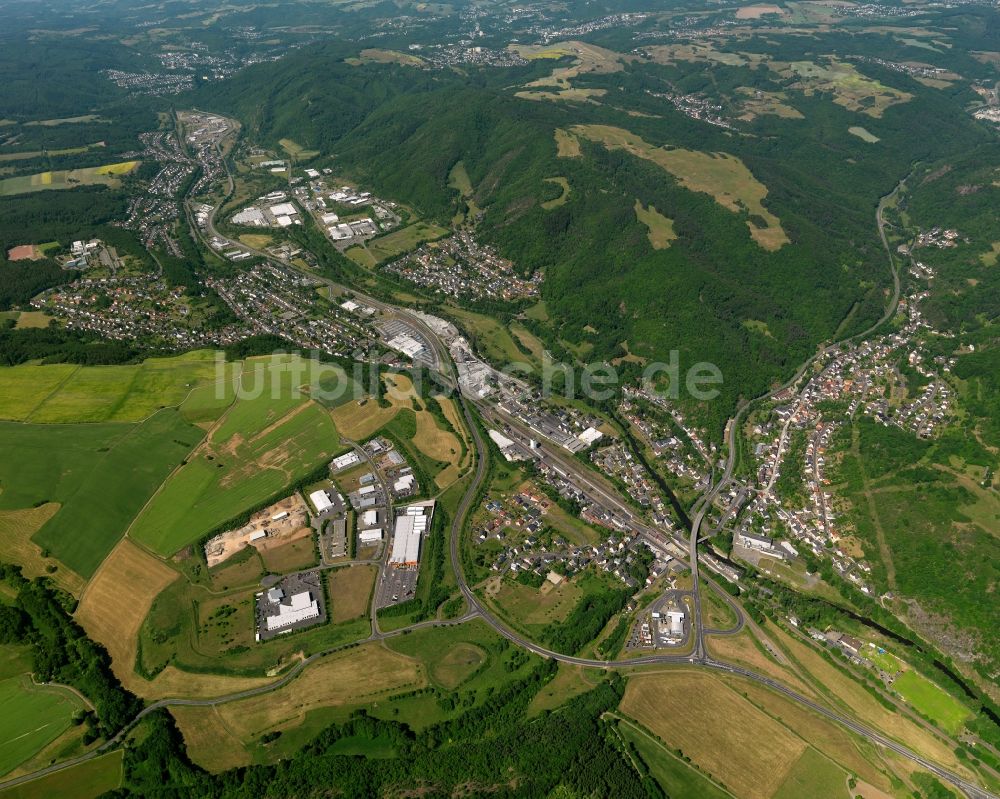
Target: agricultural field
[(116, 601), (814, 774), (805, 755), (86, 780), (100, 474), (661, 228), (66, 394), (16, 529), (729, 753), (261, 446), (24, 156), (31, 716), (108, 175), (674, 776), (722, 176)]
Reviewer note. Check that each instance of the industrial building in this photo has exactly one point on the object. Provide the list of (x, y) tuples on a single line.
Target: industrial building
[(409, 529), (344, 461), (299, 607), (321, 501), (292, 603), (370, 536)]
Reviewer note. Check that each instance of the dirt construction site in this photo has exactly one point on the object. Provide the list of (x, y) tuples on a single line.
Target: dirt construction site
[(282, 522)]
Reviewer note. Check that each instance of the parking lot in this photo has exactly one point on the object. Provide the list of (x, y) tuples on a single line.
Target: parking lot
[(398, 585)]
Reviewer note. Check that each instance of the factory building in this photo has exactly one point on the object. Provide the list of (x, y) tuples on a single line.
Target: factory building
[(300, 607), (321, 501), (409, 530)]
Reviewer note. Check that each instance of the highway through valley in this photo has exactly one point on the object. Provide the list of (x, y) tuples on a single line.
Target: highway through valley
[(697, 657)]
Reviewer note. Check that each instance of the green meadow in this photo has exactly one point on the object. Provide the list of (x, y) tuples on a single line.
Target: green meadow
[(87, 780), (100, 474), (66, 394), (30, 717), (932, 701)]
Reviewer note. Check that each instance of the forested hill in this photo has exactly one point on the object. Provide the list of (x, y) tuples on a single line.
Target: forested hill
[(715, 294)]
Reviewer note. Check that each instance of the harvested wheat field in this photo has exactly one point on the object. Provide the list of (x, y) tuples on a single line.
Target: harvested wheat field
[(16, 546), (731, 753), (210, 744), (347, 678), (117, 599)]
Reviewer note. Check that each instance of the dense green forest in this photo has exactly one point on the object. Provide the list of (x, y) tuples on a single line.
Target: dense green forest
[(402, 131)]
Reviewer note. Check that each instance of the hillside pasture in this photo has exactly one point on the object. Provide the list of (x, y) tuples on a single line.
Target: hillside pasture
[(863, 134), (660, 228), (567, 145), (850, 89), (722, 176)]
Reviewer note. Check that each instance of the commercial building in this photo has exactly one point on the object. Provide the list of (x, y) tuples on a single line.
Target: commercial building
[(750, 540), (405, 344), (675, 622), (369, 518)]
